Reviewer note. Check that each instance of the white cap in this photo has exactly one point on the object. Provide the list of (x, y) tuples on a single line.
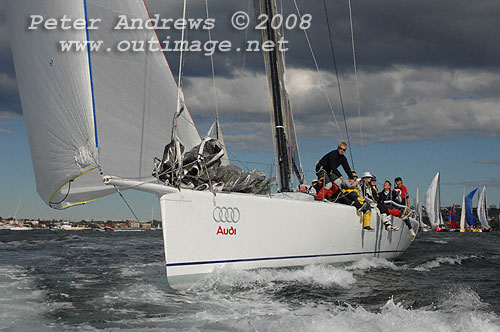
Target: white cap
[(367, 175)]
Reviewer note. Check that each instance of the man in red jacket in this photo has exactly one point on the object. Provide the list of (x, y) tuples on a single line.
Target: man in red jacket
[(402, 191)]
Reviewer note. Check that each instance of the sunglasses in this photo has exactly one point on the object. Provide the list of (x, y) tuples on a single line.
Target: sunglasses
[(342, 149)]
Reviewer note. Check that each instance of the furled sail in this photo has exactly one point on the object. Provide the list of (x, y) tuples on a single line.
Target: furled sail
[(432, 202), (91, 111), (481, 209), (469, 217), (282, 117)]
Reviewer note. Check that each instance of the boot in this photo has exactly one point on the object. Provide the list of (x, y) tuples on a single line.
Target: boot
[(386, 220)]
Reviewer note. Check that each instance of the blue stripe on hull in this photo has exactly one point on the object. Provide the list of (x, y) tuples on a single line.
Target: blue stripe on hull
[(280, 258)]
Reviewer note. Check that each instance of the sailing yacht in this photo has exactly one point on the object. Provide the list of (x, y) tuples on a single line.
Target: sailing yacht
[(433, 205), (98, 120), (482, 211), (471, 221)]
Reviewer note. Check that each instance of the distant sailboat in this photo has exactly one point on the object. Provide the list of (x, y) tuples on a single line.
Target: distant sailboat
[(451, 219), (482, 209), (16, 225), (433, 204), (419, 210), (469, 217), (462, 215)]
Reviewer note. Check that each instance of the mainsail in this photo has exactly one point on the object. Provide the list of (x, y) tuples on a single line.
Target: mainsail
[(469, 217), (92, 111), (481, 209), (433, 202), (284, 128)]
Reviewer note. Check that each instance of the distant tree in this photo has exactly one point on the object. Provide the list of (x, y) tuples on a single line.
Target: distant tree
[(493, 206)]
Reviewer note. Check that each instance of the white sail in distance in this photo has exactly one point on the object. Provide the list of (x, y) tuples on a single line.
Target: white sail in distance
[(462, 215), (481, 209), (86, 110), (432, 202)]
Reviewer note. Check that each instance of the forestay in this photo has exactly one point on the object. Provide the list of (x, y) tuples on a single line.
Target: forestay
[(85, 110)]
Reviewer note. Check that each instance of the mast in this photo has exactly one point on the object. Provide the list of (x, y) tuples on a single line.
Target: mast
[(283, 127)]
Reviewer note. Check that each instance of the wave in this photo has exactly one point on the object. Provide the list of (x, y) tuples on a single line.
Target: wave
[(457, 260), (253, 313), (376, 263), (319, 275)]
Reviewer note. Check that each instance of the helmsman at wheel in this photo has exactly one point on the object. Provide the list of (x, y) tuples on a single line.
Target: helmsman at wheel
[(327, 166)]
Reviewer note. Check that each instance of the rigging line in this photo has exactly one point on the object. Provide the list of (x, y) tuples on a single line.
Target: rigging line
[(180, 98), (238, 122), (338, 80), (246, 38), (357, 86), (213, 68), (239, 161), (130, 208), (319, 74)]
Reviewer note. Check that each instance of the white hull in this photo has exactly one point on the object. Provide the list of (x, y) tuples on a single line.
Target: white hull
[(269, 232)]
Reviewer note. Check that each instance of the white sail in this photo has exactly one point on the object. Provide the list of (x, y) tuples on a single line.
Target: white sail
[(481, 209), (432, 202), (85, 110), (462, 215), (418, 207)]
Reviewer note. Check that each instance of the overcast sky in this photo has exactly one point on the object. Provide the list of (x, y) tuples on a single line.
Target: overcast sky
[(428, 73)]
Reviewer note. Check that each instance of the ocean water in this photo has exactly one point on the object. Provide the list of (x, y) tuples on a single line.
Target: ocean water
[(114, 281)]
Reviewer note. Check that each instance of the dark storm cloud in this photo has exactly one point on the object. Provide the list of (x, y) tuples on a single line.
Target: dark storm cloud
[(9, 97), (446, 34), (426, 68)]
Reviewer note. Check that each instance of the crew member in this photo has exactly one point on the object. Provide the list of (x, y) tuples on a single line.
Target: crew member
[(328, 166)]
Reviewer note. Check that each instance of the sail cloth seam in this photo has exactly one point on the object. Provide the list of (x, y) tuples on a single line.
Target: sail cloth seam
[(90, 73), (330, 35), (321, 80), (357, 86)]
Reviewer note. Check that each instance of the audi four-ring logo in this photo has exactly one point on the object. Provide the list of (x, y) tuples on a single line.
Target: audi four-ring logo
[(226, 214)]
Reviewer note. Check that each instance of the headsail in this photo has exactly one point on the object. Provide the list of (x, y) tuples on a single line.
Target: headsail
[(432, 202), (469, 217), (85, 110), (284, 128), (481, 209)]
